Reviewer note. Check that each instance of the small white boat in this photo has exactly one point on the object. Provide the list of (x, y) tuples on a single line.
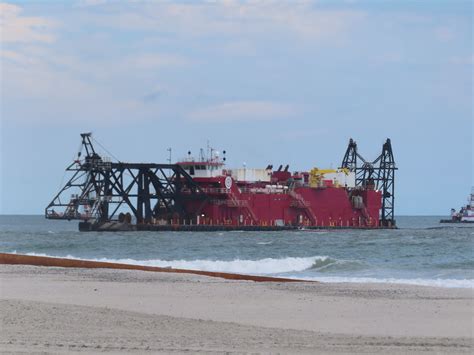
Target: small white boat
[(465, 214)]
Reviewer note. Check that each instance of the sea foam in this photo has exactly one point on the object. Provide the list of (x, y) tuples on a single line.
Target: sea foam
[(289, 266), (261, 266)]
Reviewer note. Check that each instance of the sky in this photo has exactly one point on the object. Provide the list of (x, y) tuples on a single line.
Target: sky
[(270, 82)]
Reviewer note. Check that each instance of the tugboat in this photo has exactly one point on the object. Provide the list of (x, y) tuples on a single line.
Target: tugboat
[(465, 214)]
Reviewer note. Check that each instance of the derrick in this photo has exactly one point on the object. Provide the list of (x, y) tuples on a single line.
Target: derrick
[(101, 190), (378, 174)]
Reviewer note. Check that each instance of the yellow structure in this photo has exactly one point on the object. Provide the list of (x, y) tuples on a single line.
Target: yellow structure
[(316, 176)]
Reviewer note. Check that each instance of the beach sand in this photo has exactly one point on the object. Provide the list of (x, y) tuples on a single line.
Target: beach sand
[(61, 310)]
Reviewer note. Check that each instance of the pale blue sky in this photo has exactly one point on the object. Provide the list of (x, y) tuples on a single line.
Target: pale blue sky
[(270, 82)]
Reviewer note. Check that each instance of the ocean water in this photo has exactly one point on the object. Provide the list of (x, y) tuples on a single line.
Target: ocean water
[(421, 251)]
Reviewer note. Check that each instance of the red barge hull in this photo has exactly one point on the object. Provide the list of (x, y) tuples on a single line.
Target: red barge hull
[(303, 207), (203, 195)]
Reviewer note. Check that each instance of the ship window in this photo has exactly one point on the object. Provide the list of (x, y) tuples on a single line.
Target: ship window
[(191, 170)]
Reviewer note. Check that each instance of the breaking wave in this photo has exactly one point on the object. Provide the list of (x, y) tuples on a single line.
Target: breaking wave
[(292, 267), (262, 266), (327, 264)]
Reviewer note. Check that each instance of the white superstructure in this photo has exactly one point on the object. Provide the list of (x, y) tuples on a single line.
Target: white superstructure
[(251, 175), (467, 213)]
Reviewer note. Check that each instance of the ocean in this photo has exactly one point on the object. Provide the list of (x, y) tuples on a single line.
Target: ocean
[(421, 252)]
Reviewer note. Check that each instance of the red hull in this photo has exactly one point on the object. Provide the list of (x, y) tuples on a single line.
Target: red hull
[(303, 206)]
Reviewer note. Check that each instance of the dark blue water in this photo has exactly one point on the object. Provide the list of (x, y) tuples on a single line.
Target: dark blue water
[(421, 251)]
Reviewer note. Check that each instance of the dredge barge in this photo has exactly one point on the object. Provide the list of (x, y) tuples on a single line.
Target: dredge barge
[(204, 195)]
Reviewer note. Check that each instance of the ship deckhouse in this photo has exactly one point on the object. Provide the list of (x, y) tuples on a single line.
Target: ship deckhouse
[(207, 166), (203, 169)]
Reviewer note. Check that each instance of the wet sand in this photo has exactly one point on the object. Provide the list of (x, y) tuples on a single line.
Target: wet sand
[(62, 310)]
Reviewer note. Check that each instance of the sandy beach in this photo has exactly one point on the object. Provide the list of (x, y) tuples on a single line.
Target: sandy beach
[(61, 310)]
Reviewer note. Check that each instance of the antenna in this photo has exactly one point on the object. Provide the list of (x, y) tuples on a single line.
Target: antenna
[(170, 151)]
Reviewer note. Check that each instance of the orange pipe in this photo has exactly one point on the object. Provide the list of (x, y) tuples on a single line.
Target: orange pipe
[(17, 259)]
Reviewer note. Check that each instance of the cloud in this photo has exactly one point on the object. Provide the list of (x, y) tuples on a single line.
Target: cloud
[(86, 3), (15, 57), (16, 28), (242, 111), (147, 61), (240, 47), (65, 96), (233, 18)]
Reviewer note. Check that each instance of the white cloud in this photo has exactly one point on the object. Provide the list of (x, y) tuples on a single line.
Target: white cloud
[(242, 111), (86, 3), (63, 96), (15, 57), (230, 18), (17, 28)]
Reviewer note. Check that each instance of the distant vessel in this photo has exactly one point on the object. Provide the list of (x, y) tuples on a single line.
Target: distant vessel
[(465, 214)]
